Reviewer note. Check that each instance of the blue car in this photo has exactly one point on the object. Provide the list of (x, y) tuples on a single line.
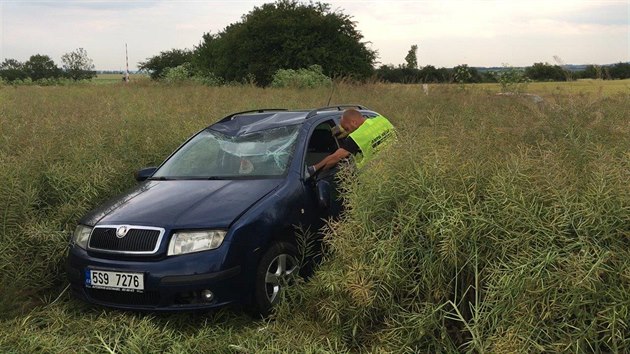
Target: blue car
[(216, 223)]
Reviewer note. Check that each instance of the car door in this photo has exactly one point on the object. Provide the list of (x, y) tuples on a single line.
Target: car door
[(322, 195)]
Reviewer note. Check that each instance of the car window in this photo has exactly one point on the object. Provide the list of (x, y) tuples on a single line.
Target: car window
[(321, 143), (212, 154)]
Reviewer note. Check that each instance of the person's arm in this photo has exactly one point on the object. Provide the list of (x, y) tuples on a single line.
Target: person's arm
[(331, 160)]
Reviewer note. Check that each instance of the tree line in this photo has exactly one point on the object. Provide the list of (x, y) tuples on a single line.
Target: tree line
[(39, 68), (286, 42), (310, 40), (410, 73)]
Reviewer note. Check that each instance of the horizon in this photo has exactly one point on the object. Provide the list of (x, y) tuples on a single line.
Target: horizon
[(138, 71)]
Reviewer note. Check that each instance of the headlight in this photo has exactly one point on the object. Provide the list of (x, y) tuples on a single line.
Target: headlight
[(195, 241), (81, 236)]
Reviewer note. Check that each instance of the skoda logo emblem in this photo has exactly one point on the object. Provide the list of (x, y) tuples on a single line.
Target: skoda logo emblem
[(122, 231)]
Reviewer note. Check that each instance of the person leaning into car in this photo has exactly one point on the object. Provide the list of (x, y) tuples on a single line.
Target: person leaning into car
[(365, 137)]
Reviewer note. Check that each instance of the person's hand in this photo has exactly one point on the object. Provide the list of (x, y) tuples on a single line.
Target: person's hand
[(310, 171)]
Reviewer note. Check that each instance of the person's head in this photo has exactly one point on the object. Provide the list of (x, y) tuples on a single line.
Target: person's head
[(351, 120)]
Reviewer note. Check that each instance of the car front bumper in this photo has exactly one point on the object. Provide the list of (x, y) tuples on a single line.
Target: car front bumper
[(170, 284)]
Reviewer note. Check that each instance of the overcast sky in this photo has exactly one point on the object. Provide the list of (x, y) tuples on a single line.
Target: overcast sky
[(448, 33)]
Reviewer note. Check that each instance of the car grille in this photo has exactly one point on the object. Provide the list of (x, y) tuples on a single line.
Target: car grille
[(148, 298), (139, 240)]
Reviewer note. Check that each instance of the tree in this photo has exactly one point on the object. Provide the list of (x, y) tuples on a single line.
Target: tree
[(487, 77), (41, 67), (286, 35), (77, 65), (388, 73), (400, 74), (412, 58), (429, 74), (464, 74), (545, 72), (173, 58), (12, 70), (591, 72), (512, 80), (620, 71)]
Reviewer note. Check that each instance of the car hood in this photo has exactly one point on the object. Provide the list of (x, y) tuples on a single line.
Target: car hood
[(182, 203)]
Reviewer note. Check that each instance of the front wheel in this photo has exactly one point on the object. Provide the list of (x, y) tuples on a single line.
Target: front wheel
[(276, 270)]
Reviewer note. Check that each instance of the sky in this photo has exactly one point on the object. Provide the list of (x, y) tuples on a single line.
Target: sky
[(447, 32)]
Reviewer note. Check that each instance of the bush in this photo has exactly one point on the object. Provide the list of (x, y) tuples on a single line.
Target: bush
[(620, 71), (390, 73), (512, 79), (208, 79), (310, 77), (187, 73), (11, 70), (547, 72), (177, 74), (25, 82), (57, 82), (429, 73), (463, 74), (51, 81), (158, 64)]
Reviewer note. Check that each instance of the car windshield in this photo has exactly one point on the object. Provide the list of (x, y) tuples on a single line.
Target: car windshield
[(212, 155)]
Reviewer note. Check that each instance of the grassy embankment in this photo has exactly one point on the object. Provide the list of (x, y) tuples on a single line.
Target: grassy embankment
[(498, 225)]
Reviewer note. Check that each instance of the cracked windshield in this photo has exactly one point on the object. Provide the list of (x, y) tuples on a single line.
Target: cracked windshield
[(212, 155)]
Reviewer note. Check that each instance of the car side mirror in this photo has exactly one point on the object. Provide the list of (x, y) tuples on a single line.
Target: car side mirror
[(323, 193), (144, 173)]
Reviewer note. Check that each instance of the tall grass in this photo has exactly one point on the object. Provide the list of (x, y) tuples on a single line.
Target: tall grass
[(495, 224)]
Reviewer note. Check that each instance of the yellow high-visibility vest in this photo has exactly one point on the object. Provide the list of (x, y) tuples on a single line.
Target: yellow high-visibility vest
[(371, 136)]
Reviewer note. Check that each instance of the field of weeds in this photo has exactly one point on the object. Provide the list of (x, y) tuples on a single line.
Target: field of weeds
[(496, 224)]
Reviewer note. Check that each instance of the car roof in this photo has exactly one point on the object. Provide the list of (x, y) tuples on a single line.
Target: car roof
[(242, 123)]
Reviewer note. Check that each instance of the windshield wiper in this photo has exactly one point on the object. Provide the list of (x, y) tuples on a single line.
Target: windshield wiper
[(161, 178)]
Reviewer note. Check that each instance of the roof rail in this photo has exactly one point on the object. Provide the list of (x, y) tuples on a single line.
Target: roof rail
[(338, 107), (260, 110)]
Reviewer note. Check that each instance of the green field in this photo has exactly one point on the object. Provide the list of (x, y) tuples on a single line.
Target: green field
[(496, 224), (574, 87)]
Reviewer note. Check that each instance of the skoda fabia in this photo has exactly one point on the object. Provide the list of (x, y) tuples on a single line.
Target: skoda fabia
[(216, 223)]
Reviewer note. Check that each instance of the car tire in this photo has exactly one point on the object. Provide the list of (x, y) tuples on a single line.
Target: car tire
[(276, 270)]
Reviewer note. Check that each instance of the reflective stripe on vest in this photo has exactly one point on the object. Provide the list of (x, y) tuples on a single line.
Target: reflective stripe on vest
[(370, 136)]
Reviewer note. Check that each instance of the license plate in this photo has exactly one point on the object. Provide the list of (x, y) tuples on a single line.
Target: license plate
[(121, 281)]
